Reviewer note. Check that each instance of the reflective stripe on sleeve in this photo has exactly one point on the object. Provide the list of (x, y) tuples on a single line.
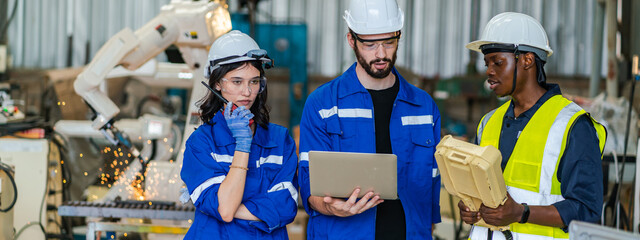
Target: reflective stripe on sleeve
[(326, 113), (275, 159), (288, 186), (222, 158), (214, 180)]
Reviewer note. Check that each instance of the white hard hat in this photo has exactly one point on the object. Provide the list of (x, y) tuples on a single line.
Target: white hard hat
[(520, 30), (374, 16), (233, 47)]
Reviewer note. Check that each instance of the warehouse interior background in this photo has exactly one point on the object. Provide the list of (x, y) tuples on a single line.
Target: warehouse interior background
[(44, 45)]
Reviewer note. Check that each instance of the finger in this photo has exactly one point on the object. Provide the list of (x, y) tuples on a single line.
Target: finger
[(487, 210), (352, 199), (240, 109), (242, 113), (369, 204), (364, 201), (463, 207), (470, 217), (227, 110), (250, 116), (236, 112), (354, 195), (327, 199)]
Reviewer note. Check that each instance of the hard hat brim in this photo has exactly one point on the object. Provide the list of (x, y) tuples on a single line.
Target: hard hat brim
[(475, 46)]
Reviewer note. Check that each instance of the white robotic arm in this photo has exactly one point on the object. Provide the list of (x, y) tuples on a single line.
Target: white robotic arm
[(191, 26)]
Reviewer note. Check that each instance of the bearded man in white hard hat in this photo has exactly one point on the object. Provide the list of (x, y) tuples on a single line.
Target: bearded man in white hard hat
[(371, 108), (551, 148)]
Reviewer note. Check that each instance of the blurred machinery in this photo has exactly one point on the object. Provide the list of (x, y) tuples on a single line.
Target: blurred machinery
[(8, 198), (191, 27), (29, 160), (9, 111), (588, 231)]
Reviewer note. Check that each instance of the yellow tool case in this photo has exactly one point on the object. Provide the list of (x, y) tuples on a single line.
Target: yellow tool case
[(472, 173)]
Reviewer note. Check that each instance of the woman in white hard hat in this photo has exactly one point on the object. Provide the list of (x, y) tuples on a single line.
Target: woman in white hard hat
[(551, 148), (239, 168)]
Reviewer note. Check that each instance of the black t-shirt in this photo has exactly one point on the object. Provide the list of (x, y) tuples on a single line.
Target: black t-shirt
[(390, 220)]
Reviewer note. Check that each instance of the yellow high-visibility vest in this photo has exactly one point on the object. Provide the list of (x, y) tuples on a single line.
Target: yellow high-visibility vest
[(530, 174)]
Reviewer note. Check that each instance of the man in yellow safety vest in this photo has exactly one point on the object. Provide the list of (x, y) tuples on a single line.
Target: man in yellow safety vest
[(551, 148)]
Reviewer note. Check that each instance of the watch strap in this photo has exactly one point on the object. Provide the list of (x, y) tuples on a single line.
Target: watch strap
[(525, 213)]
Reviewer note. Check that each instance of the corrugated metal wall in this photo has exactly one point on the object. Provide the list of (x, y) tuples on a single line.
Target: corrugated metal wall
[(433, 38)]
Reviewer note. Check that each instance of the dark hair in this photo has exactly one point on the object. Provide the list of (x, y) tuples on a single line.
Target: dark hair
[(210, 104)]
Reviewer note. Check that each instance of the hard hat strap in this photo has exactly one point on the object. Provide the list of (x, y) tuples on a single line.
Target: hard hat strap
[(515, 70)]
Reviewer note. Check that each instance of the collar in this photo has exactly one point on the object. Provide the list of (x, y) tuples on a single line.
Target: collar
[(350, 84), (552, 90), (219, 125)]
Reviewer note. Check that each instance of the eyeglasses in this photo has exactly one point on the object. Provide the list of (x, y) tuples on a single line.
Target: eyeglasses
[(373, 44), (238, 85)]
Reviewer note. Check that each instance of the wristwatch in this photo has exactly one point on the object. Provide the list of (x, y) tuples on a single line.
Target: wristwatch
[(525, 213)]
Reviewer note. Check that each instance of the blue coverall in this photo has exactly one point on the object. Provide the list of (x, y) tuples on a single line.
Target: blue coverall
[(270, 191), (338, 116)]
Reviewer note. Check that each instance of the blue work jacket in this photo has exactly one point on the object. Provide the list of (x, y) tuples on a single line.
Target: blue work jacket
[(338, 116), (270, 191)]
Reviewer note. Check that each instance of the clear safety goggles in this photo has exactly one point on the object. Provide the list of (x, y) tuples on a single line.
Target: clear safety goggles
[(373, 44), (255, 54), (239, 85)]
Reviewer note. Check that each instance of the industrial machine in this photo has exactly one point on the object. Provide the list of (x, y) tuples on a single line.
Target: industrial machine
[(29, 160), (191, 26), (579, 230), (9, 111), (8, 198)]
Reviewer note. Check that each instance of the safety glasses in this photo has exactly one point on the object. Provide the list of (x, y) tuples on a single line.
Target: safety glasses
[(373, 44), (257, 54)]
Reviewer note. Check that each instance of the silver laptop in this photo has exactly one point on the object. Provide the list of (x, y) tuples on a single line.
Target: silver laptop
[(337, 174)]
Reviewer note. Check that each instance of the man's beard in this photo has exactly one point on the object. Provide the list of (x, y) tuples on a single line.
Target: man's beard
[(375, 73)]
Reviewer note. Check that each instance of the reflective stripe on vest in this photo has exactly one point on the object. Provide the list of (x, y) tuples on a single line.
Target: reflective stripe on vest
[(530, 174)]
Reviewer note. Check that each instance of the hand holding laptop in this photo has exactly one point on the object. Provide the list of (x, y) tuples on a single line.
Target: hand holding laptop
[(345, 208), (342, 208)]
